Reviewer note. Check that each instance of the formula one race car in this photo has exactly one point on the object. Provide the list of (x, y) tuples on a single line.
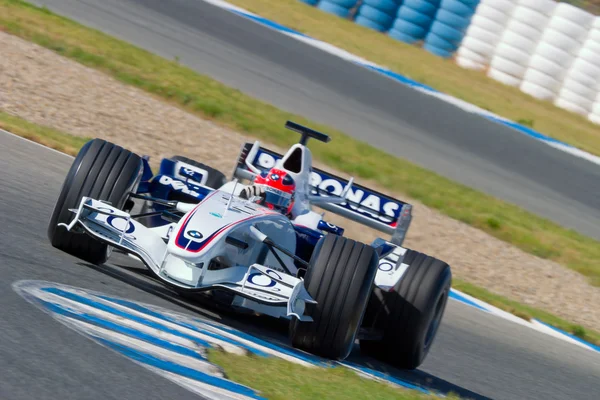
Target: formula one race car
[(262, 244)]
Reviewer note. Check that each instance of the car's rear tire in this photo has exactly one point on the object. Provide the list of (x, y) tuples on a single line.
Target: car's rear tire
[(103, 171), (410, 314), (340, 278), (215, 179)]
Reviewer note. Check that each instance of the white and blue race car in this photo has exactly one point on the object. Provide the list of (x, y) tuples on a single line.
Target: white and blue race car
[(196, 234)]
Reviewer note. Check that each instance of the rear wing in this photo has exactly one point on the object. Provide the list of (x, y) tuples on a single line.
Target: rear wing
[(363, 205)]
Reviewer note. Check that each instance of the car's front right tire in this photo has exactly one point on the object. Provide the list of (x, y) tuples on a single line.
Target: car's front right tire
[(409, 315), (215, 179)]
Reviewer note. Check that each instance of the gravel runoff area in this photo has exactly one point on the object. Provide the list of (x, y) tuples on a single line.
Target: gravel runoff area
[(47, 89)]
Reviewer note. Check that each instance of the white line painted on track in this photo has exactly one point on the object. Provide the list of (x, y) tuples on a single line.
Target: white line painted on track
[(154, 350), (552, 332), (186, 341), (149, 348), (533, 324), (197, 387), (35, 143)]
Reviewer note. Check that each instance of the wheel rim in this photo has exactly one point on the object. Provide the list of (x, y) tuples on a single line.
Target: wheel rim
[(437, 318), (109, 251)]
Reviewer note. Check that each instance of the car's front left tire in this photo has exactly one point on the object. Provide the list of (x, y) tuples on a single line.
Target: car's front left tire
[(102, 171), (340, 278)]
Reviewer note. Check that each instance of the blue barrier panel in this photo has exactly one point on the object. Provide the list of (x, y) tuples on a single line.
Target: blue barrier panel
[(310, 2), (343, 3), (340, 8), (413, 19), (387, 6), (377, 14), (449, 26)]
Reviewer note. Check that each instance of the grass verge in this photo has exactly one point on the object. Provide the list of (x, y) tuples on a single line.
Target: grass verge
[(71, 144), (282, 380), (47, 136), (441, 74), (212, 100)]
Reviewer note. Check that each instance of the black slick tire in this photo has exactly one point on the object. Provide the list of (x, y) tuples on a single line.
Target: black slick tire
[(340, 278), (409, 315), (102, 171)]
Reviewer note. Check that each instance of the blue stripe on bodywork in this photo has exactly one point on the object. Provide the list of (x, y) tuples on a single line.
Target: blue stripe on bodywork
[(181, 240)]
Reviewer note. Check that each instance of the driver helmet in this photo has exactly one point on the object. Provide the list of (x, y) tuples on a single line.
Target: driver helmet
[(279, 189)]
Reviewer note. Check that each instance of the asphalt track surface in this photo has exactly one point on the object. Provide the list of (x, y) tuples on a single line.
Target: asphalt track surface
[(476, 354), (296, 77)]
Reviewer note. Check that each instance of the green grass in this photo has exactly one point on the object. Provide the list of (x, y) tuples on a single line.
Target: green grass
[(277, 379), (228, 107), (442, 74), (47, 136), (592, 6)]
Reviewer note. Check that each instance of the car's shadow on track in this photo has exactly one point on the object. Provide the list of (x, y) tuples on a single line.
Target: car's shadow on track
[(266, 328), (416, 377)]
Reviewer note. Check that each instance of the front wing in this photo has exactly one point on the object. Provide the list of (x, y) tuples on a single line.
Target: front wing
[(283, 294)]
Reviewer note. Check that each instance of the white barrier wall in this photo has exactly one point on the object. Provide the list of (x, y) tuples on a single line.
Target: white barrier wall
[(556, 50), (519, 40), (548, 49), (580, 85), (594, 115), (484, 33)]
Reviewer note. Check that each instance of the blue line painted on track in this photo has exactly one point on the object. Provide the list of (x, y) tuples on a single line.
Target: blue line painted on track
[(269, 23), (179, 369), (309, 358), (528, 131), (456, 296), (103, 307), (167, 318), (59, 309), (400, 78), (578, 339)]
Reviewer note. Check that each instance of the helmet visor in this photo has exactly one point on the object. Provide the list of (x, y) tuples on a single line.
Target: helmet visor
[(277, 197)]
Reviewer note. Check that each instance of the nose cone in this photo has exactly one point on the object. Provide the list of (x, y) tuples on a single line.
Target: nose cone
[(204, 226), (195, 234)]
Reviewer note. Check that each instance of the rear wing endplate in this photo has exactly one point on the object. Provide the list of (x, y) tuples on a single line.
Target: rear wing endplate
[(363, 205)]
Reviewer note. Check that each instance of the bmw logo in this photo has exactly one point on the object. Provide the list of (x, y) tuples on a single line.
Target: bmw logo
[(274, 177), (195, 234)]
